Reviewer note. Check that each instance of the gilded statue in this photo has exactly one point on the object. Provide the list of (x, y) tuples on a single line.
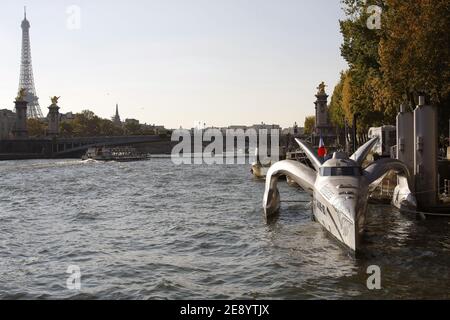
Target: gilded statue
[(55, 99), (321, 88), (21, 95)]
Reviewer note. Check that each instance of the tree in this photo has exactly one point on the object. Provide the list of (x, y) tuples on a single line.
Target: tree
[(336, 110), (310, 123), (108, 128), (36, 128), (415, 52), (86, 124), (360, 46), (362, 83), (410, 54), (132, 127), (66, 129)]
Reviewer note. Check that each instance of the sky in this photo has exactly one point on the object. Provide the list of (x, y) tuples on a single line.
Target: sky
[(176, 62)]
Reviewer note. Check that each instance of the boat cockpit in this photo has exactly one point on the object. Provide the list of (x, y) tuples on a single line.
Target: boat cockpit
[(340, 172)]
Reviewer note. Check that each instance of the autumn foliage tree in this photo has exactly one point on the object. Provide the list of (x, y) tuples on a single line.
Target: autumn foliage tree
[(36, 128), (336, 108), (354, 94), (408, 55), (310, 123), (415, 52), (86, 124)]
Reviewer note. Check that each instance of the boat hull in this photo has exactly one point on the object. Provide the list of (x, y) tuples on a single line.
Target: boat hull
[(347, 229), (118, 154), (115, 160)]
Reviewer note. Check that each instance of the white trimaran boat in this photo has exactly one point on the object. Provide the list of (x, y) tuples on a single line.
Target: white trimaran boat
[(339, 188)]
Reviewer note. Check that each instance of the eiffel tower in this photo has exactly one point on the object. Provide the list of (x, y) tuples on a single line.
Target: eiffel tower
[(26, 72)]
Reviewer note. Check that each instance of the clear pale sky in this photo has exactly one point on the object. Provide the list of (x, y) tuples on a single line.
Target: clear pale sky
[(177, 62)]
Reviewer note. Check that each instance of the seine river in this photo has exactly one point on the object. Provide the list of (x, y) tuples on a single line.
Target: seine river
[(153, 230)]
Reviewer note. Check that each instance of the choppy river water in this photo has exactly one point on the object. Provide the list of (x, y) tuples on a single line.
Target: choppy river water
[(153, 230)]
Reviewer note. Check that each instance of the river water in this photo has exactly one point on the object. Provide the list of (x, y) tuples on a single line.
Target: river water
[(153, 230)]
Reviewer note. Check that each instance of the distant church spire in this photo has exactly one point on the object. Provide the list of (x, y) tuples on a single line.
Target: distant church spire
[(116, 118)]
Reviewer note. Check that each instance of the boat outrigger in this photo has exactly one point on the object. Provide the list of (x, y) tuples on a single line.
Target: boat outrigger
[(339, 188), (259, 169), (120, 154)]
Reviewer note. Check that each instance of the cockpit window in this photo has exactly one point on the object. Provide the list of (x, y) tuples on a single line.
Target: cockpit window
[(340, 172)]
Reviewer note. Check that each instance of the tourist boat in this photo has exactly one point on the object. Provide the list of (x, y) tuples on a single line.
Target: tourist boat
[(120, 154), (339, 188)]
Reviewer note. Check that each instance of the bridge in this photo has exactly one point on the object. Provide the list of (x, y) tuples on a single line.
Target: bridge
[(67, 147), (62, 147)]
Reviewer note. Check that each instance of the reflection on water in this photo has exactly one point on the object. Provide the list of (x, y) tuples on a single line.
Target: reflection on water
[(151, 230)]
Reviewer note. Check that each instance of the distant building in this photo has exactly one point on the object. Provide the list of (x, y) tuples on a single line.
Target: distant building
[(116, 119), (158, 130), (244, 128), (237, 128), (268, 127), (7, 120), (255, 127), (293, 131), (67, 117)]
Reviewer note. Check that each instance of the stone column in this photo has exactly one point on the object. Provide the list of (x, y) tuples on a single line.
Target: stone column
[(322, 110), (53, 119), (21, 130), (322, 125)]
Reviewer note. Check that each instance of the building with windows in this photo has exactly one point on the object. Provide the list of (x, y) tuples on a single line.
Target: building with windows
[(7, 120)]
